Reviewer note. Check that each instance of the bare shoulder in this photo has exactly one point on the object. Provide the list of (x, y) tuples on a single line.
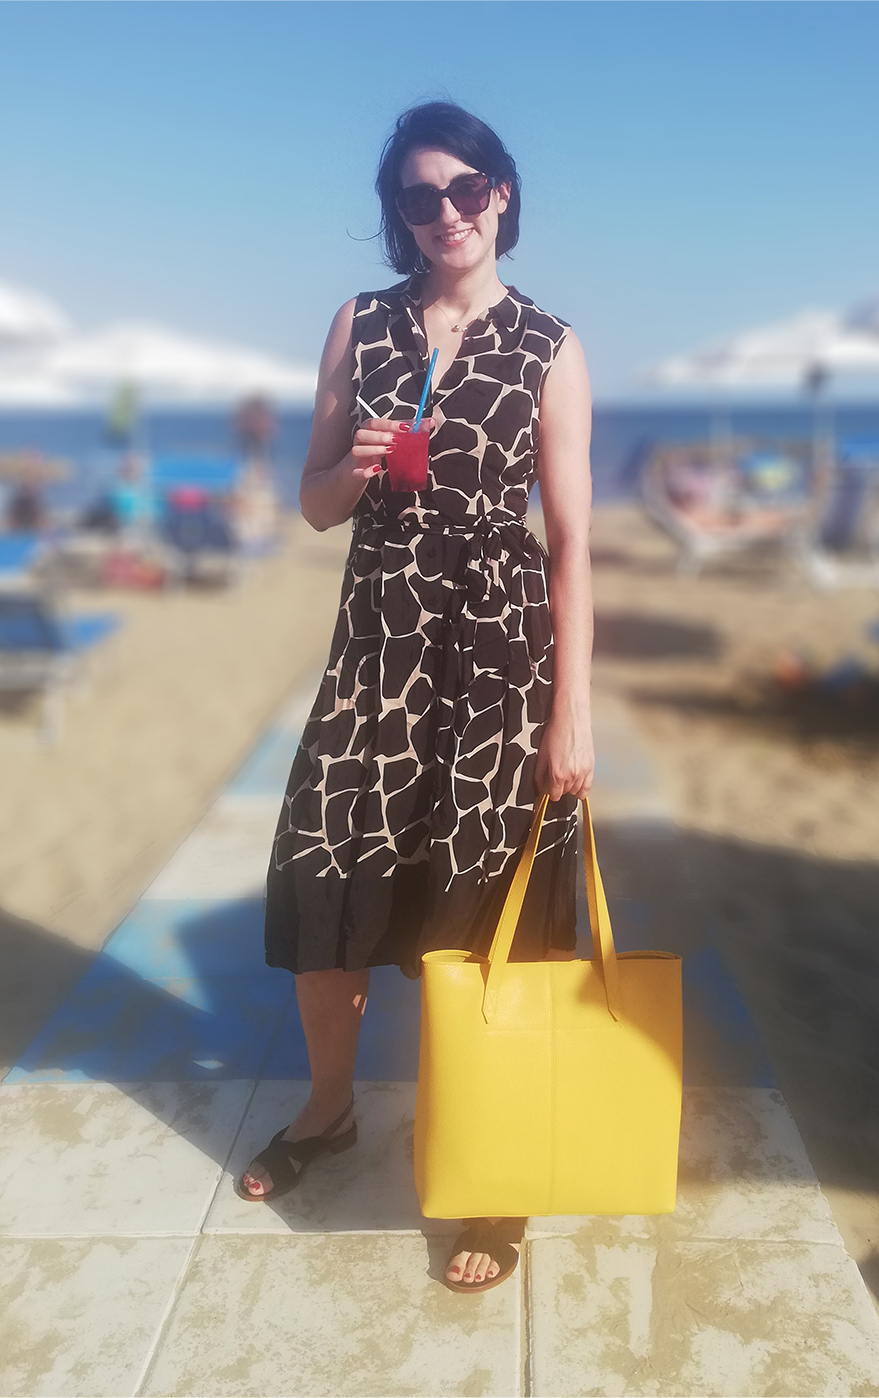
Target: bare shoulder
[(339, 337), (570, 359), (567, 386)]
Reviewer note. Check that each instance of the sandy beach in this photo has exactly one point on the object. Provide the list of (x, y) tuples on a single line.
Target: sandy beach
[(778, 800), (176, 700)]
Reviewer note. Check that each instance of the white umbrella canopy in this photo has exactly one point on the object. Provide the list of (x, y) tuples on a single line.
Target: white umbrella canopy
[(169, 368), (788, 352), (27, 318), (22, 387)]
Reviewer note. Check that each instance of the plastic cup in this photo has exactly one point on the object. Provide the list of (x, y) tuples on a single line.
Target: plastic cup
[(407, 463)]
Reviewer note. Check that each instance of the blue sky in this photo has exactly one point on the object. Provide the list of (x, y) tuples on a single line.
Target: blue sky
[(688, 169)]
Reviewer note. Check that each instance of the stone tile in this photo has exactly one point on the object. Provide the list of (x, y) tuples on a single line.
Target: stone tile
[(116, 1026), (100, 1159), (702, 1317), (59, 1335), (369, 1188), (356, 1315), (226, 856), (744, 1173)]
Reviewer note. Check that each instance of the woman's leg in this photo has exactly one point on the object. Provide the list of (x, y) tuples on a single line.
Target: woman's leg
[(331, 1005), (481, 1266)]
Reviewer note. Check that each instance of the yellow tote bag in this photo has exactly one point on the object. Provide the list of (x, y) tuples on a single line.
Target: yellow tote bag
[(549, 1087)]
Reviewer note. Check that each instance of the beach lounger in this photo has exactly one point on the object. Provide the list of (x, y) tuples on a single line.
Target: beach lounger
[(194, 519), (19, 555), (717, 504), (42, 651)]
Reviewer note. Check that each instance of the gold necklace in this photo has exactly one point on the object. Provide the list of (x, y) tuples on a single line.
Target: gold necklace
[(458, 329)]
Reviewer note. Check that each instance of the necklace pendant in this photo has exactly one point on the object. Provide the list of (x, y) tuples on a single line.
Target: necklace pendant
[(457, 328)]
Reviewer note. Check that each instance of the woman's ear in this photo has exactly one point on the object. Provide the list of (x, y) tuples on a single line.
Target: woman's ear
[(503, 197)]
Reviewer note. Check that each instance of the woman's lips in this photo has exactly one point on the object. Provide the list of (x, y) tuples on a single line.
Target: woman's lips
[(455, 238)]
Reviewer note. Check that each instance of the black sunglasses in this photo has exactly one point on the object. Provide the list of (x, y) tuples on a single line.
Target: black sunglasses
[(423, 203)]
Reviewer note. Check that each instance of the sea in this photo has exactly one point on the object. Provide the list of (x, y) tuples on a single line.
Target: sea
[(623, 438)]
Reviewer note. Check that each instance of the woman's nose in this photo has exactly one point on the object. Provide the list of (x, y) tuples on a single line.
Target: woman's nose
[(448, 213)]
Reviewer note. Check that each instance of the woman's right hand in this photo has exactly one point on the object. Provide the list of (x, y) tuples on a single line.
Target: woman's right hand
[(372, 441)]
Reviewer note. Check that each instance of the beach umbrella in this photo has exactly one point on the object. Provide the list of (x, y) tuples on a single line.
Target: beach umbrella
[(25, 386), (30, 465), (167, 367), (804, 350), (26, 318)]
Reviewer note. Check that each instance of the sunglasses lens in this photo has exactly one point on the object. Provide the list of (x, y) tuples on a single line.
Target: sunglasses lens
[(470, 194), (421, 203)]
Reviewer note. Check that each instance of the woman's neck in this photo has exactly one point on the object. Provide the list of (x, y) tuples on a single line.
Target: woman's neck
[(464, 294)]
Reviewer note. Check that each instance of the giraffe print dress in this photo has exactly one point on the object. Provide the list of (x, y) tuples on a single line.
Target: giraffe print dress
[(412, 791)]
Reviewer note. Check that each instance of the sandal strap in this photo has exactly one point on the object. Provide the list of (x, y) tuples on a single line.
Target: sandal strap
[(279, 1155), (334, 1125), (478, 1237)]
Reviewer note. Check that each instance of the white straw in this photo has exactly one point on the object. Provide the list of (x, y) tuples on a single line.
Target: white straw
[(372, 412)]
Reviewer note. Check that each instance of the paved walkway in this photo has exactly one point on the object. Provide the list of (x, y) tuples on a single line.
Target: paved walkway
[(130, 1267)]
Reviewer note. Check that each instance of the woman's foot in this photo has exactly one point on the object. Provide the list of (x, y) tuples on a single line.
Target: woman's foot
[(481, 1257), (313, 1120)]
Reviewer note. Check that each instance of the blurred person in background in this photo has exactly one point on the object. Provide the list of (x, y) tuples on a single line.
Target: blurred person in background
[(457, 688), (25, 510), (130, 496), (254, 506)]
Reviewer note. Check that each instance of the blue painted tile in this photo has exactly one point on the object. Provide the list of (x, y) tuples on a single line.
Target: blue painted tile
[(388, 1046), (165, 939), (721, 1042), (267, 768), (118, 1027)]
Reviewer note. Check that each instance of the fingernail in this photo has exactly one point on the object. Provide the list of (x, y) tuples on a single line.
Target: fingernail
[(375, 470)]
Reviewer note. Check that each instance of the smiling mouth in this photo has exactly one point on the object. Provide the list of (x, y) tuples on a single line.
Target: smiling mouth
[(451, 240)]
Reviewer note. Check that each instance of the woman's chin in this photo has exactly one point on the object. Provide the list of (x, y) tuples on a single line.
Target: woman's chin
[(461, 258)]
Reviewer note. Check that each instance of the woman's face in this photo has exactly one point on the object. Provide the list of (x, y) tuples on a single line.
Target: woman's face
[(454, 241)]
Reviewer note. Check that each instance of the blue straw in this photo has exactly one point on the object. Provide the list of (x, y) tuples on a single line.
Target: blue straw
[(417, 423)]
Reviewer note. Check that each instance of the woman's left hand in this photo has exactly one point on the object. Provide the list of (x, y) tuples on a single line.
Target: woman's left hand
[(565, 759)]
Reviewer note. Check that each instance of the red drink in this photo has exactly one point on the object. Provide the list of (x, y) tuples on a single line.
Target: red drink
[(407, 463)]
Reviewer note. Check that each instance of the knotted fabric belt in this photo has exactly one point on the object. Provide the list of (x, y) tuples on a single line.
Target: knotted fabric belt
[(491, 538)]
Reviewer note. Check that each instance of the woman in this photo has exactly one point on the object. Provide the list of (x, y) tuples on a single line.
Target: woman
[(445, 708)]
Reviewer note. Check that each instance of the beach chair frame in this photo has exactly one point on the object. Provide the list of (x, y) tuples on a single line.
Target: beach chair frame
[(52, 671), (794, 532)]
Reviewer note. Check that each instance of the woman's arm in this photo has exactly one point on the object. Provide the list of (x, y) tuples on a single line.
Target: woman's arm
[(565, 758), (336, 471)]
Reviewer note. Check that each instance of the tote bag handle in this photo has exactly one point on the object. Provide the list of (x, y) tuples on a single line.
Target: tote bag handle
[(603, 949)]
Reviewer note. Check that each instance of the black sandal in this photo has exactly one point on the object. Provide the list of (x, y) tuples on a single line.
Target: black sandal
[(285, 1160), (482, 1236)]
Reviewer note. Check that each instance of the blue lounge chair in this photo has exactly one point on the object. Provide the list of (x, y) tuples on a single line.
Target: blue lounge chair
[(18, 554), (193, 520), (41, 650)]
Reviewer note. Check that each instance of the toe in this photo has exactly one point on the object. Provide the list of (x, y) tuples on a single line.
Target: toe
[(255, 1184), (455, 1269)]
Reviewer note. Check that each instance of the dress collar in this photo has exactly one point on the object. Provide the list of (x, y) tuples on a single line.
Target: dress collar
[(506, 314)]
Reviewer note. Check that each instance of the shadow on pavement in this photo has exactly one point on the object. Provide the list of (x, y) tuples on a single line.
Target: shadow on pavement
[(643, 636), (191, 1002)]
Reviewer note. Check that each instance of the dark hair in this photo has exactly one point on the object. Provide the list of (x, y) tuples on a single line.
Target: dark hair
[(447, 127)]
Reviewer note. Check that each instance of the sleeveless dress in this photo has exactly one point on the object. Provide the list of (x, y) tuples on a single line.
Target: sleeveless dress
[(412, 791)]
